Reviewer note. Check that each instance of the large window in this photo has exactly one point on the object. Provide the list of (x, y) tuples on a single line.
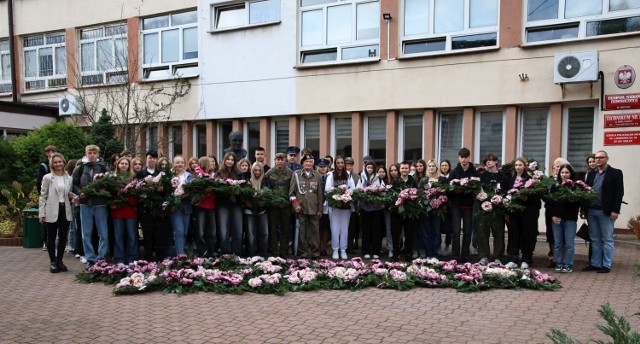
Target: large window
[(339, 30), (281, 136), (224, 129), (175, 141), (45, 61), (152, 138), (170, 45), (490, 133), (200, 138), (311, 137), (579, 133), (5, 66), (245, 13), (103, 55), (377, 139), (449, 136), (434, 26), (548, 20), (533, 134), (252, 139), (412, 138), (343, 134)]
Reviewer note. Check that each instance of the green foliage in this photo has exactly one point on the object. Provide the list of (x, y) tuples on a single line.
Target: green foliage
[(13, 201), (103, 134), (29, 149), (7, 157), (617, 328)]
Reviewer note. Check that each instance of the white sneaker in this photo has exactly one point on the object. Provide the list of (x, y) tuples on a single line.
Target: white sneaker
[(366, 256), (511, 265), (524, 265), (416, 254), (44, 246), (343, 255), (375, 256), (83, 260), (445, 251), (77, 255), (390, 254), (335, 255)]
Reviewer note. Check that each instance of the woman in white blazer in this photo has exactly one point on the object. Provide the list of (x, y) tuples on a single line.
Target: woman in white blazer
[(55, 209)]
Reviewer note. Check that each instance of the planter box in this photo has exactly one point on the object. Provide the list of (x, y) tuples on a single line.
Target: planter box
[(11, 241)]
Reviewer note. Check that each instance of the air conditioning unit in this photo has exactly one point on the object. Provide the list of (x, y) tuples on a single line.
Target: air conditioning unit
[(579, 66), (68, 105)]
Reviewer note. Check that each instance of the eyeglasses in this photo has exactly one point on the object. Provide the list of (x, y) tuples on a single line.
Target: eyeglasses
[(601, 157)]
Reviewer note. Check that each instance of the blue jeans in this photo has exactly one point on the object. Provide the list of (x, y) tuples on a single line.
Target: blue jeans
[(431, 235), (601, 232), (564, 233), (230, 228), (88, 215), (180, 222), (125, 230), (257, 234)]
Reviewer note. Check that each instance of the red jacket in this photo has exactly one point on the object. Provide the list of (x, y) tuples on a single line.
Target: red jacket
[(128, 211), (207, 201)]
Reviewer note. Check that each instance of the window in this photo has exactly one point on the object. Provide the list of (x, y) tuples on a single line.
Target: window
[(201, 139), (152, 138), (377, 139), (246, 13), (224, 129), (339, 30), (579, 133), (411, 138), (311, 137), (175, 141), (435, 26), (170, 45), (253, 139), (533, 135), (45, 61), (103, 55), (490, 134), (548, 20), (449, 135), (5, 67), (281, 136), (343, 134)]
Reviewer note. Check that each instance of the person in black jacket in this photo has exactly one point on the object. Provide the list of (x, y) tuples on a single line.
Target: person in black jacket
[(462, 208), (564, 217), (607, 182), (496, 180), (401, 182)]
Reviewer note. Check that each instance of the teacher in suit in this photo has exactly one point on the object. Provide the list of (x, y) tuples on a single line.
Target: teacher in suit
[(55, 209), (607, 182)]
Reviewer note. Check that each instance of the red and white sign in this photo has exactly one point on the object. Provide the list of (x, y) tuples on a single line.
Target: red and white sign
[(619, 138), (622, 101), (624, 76), (622, 120)]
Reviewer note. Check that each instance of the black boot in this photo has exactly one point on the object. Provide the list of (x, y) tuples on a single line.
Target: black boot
[(53, 268), (61, 266)]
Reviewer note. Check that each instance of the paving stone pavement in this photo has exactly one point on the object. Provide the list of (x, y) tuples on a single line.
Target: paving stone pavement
[(39, 307)]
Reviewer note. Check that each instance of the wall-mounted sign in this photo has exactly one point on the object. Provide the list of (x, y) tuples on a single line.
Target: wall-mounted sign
[(619, 138), (622, 120), (624, 77), (622, 101)]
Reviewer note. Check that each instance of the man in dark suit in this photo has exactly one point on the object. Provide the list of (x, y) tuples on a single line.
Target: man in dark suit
[(607, 182)]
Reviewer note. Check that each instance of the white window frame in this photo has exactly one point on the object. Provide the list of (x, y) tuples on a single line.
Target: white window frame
[(245, 6), (194, 131), (274, 138), (401, 122), (365, 130), (565, 126), (333, 133), (5, 80), (547, 136), (54, 81), (439, 131), (159, 70), (245, 141), (337, 47), (172, 141), (448, 37), (478, 130), (303, 136), (581, 22), (117, 73)]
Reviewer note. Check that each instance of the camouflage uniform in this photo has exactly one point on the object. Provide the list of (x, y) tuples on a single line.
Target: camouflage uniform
[(279, 180)]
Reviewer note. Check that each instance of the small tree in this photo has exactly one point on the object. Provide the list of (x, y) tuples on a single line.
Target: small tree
[(103, 134)]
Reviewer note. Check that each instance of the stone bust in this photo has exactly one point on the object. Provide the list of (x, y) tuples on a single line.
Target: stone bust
[(235, 145)]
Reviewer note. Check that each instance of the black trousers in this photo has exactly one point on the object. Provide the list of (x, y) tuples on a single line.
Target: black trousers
[(157, 233), (372, 227), (409, 226), (60, 228)]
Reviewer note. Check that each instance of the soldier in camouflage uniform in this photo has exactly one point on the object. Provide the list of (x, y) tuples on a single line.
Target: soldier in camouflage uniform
[(307, 199), (279, 178)]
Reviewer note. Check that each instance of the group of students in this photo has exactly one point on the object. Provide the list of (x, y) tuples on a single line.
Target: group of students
[(308, 226)]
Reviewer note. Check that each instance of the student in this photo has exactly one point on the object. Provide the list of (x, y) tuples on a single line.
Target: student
[(398, 224), (462, 207), (496, 180)]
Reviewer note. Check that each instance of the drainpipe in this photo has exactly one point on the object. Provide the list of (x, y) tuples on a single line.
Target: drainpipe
[(12, 53)]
